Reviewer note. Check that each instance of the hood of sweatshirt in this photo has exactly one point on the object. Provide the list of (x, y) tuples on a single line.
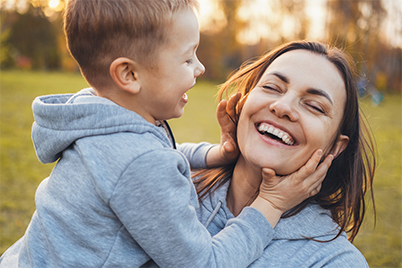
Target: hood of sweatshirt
[(62, 119), (312, 222)]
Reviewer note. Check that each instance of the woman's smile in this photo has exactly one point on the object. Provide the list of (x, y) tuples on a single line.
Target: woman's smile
[(276, 134)]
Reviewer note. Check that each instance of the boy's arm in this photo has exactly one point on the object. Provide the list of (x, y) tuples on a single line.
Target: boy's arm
[(155, 200), (196, 153)]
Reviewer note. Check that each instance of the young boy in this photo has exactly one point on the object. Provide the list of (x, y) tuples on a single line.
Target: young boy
[(120, 196)]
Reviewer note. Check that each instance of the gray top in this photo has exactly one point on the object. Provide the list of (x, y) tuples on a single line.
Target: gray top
[(120, 196)]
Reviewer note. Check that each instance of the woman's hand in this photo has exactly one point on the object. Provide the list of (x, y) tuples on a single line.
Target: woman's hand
[(278, 194)]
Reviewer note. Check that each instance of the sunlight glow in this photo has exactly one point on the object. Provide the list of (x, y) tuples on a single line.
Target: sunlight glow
[(261, 20), (210, 16), (54, 3), (316, 11), (21, 6), (258, 17)]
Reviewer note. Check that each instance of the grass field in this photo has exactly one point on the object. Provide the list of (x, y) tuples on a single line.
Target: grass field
[(21, 172)]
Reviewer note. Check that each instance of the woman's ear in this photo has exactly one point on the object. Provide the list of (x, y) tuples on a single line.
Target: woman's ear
[(340, 145), (124, 74)]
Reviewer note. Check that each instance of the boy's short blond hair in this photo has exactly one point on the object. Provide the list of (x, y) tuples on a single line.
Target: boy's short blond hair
[(99, 31)]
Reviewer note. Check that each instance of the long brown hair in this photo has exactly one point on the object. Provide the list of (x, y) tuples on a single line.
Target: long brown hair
[(351, 173)]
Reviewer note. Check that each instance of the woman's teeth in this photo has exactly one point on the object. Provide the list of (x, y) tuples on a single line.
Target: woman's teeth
[(264, 128)]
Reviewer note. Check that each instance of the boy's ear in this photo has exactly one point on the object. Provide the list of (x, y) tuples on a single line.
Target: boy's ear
[(340, 145), (124, 74)]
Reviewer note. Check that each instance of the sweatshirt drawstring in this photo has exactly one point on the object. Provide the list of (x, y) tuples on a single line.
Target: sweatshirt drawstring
[(218, 206)]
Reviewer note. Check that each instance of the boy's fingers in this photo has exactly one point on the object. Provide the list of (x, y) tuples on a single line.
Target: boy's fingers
[(231, 105), (315, 191), (221, 110), (228, 147), (316, 185), (320, 173), (324, 166), (223, 119), (268, 173), (310, 167), (322, 169)]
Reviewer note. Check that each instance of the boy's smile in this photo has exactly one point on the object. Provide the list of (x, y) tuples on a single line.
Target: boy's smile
[(164, 85)]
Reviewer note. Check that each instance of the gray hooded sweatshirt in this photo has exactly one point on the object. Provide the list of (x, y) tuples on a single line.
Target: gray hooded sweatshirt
[(290, 247), (120, 196)]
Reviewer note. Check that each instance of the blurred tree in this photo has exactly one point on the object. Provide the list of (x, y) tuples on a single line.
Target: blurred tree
[(273, 22), (31, 37), (293, 11), (388, 68), (356, 27), (6, 59), (251, 28), (230, 45), (220, 51)]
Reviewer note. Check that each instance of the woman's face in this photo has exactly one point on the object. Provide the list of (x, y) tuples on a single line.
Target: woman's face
[(295, 109)]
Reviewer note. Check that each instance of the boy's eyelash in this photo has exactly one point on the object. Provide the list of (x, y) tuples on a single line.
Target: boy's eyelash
[(189, 61)]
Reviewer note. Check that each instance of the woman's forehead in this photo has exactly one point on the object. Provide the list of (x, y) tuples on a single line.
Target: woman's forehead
[(307, 69)]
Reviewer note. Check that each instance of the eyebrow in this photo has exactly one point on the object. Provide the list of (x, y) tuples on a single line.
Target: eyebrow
[(319, 92), (282, 77), (312, 91)]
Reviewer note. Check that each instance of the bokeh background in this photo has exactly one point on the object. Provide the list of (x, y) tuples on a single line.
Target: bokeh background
[(34, 61)]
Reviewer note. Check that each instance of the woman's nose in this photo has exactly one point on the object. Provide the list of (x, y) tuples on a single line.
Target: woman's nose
[(199, 69), (284, 108)]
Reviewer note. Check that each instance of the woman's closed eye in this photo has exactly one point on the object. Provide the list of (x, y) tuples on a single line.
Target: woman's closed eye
[(272, 88), (316, 108)]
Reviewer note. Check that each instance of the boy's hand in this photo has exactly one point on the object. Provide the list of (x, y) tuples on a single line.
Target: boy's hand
[(227, 151), (281, 193)]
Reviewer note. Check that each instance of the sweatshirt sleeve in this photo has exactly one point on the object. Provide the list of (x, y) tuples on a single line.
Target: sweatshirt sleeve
[(155, 200), (195, 153)]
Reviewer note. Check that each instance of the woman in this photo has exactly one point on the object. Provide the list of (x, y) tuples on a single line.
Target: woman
[(296, 99)]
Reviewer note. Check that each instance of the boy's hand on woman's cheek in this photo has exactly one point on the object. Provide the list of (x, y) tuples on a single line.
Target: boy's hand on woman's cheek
[(227, 152), (226, 114), (285, 192)]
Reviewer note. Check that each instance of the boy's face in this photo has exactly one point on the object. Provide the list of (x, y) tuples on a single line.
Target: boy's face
[(163, 88)]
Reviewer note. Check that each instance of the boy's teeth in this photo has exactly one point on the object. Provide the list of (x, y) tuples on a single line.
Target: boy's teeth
[(281, 135)]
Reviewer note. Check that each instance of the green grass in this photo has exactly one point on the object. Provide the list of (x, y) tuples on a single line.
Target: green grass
[(21, 172), (382, 245)]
